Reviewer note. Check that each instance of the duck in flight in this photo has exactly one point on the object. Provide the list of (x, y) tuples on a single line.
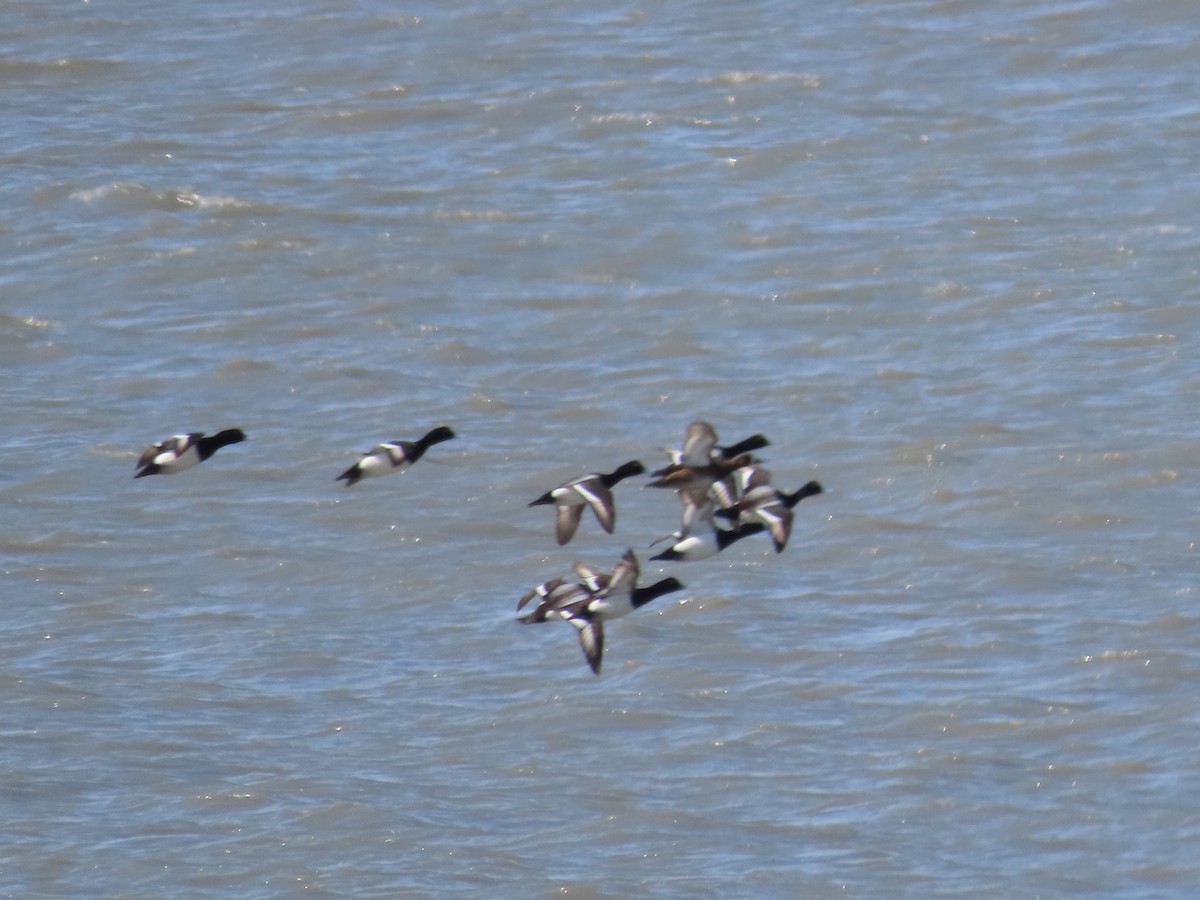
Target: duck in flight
[(182, 451), (593, 490), (600, 597), (702, 538), (394, 456), (761, 502), (700, 448)]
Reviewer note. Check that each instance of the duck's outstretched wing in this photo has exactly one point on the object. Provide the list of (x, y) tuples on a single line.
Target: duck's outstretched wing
[(591, 640), (599, 498), (566, 521)]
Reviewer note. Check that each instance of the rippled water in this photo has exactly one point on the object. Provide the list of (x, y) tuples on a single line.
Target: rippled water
[(942, 253)]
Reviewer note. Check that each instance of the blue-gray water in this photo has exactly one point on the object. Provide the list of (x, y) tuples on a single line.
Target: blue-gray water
[(944, 254)]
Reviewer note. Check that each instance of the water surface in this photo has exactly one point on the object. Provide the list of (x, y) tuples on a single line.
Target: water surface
[(942, 254)]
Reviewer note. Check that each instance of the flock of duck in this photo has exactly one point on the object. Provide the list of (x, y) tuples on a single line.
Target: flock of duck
[(711, 481)]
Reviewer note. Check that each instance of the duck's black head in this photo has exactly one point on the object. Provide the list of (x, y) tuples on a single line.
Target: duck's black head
[(809, 490), (437, 435), (754, 442), (230, 436), (633, 467), (643, 595)]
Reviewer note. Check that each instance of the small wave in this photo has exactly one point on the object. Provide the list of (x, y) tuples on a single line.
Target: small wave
[(1112, 655), (1163, 229), (483, 215), (287, 242), (738, 77), (19, 324), (20, 68), (134, 196), (242, 367), (1133, 340)]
